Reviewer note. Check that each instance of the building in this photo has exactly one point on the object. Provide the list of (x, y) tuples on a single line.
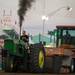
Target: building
[(41, 38)]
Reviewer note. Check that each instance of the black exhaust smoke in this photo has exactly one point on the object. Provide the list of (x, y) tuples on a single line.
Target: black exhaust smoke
[(24, 5)]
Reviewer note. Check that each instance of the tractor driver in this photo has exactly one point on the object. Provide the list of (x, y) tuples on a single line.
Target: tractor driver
[(25, 37), (67, 37)]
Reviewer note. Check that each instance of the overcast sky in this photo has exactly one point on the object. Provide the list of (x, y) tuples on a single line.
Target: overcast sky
[(33, 22)]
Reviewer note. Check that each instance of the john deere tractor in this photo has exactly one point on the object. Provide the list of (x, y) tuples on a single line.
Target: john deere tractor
[(21, 57)]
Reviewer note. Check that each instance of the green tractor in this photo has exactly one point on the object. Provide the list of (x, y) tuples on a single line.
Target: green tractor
[(19, 57)]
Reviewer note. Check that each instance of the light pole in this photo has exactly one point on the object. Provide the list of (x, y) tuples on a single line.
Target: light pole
[(44, 19), (68, 8)]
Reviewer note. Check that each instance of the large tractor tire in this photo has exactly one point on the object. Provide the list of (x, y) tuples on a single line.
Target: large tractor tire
[(37, 58)]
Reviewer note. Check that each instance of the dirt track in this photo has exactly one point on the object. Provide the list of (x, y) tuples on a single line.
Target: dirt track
[(31, 74)]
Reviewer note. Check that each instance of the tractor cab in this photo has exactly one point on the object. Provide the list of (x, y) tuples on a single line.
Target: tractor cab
[(65, 36)]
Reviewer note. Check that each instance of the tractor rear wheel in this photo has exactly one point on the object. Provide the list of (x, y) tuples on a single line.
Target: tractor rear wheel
[(37, 58)]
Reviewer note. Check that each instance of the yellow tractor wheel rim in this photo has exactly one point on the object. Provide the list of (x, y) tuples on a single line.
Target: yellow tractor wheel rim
[(41, 59)]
